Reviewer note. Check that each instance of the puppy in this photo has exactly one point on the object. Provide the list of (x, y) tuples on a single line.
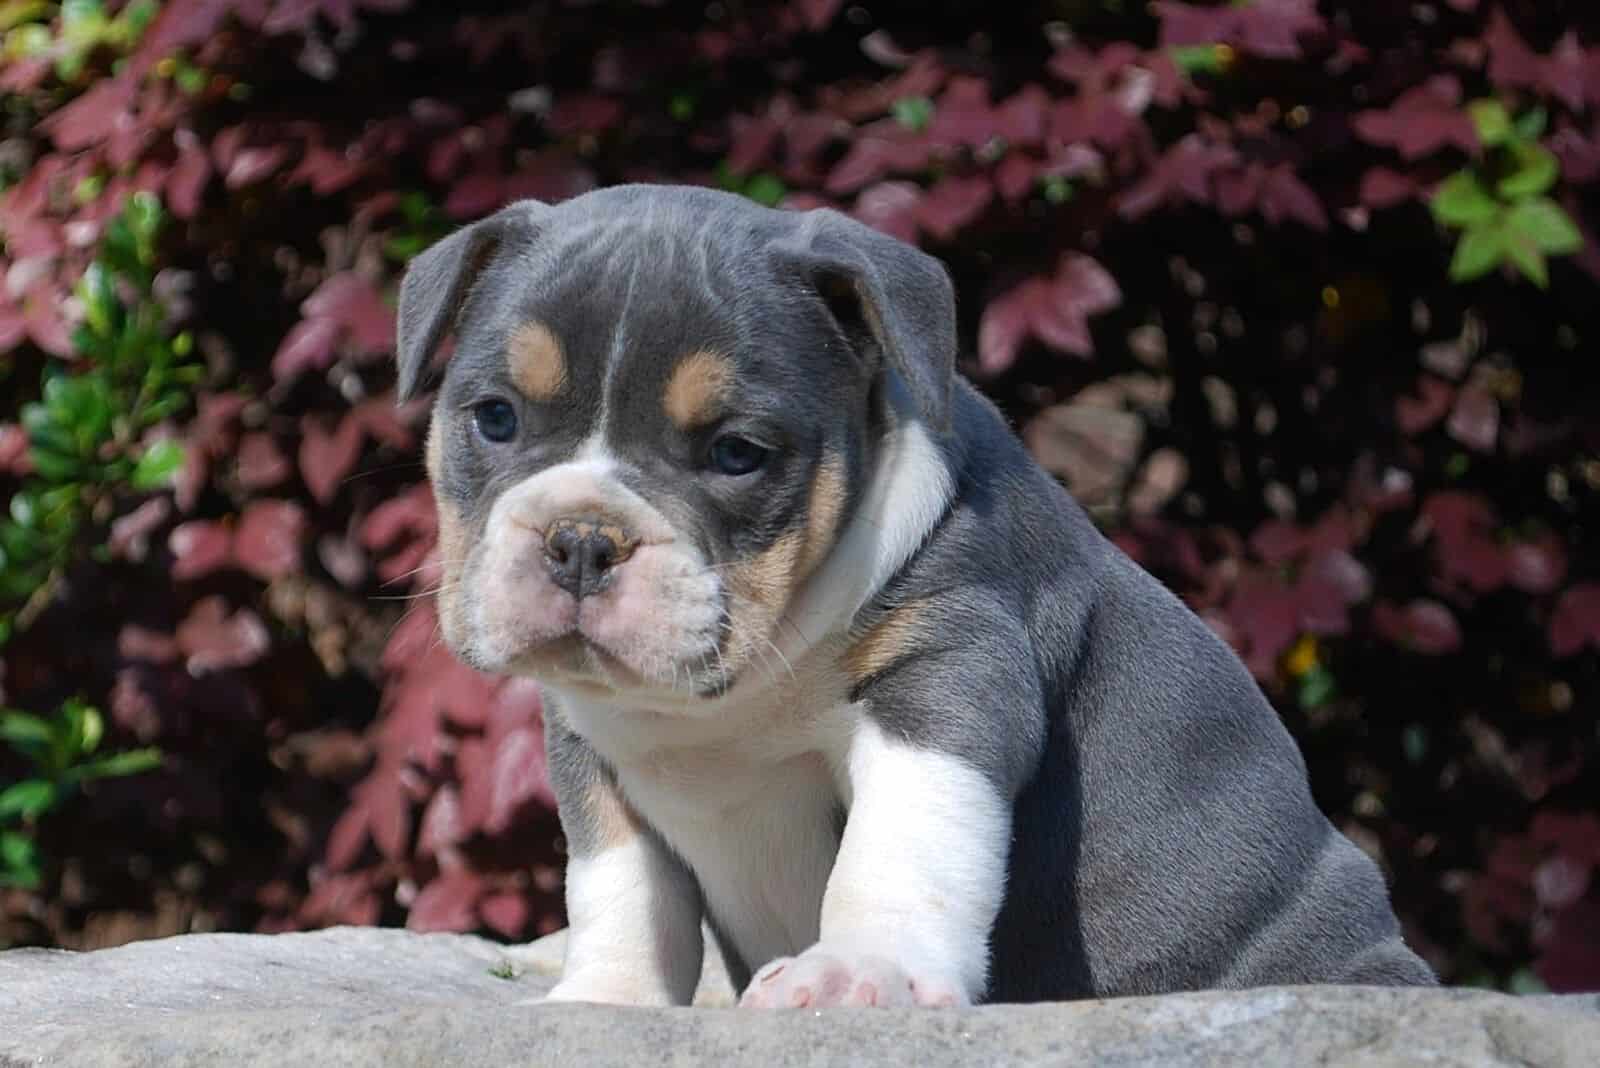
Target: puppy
[(829, 662)]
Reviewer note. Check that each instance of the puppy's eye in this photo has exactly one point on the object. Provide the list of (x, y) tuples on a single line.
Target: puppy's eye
[(496, 420), (733, 455)]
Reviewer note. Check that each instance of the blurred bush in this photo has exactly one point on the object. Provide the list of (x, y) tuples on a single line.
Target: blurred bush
[(1297, 297)]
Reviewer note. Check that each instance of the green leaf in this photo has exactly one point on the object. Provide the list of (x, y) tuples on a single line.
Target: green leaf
[(1197, 59), (766, 189), (1317, 687), (1480, 250), (1462, 201), (85, 728), (158, 465), (1524, 981), (24, 730), (913, 112), (1537, 170), (1529, 260), (132, 762), (29, 799), (1530, 126), (19, 861), (1492, 121), (1544, 223)]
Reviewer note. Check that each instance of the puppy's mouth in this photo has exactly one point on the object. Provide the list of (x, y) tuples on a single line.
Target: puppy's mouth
[(583, 661)]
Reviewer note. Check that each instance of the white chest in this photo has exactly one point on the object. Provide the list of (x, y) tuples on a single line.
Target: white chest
[(752, 800)]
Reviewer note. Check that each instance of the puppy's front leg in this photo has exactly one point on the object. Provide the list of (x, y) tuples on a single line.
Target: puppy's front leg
[(633, 908), (915, 889)]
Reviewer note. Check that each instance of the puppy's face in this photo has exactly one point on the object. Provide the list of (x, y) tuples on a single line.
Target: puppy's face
[(648, 438)]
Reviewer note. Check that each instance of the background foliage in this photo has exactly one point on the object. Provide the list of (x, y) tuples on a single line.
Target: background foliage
[(1298, 297)]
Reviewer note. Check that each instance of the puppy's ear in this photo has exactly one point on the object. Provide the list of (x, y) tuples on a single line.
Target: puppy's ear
[(893, 301), (439, 279)]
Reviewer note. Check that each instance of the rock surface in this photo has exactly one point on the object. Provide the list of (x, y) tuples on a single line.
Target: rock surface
[(360, 996)]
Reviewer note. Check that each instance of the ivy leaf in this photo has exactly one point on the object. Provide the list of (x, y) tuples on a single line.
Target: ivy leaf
[(1462, 201), (29, 799), (1528, 259), (1491, 120), (1479, 251), (1537, 170), (1543, 223), (158, 466)]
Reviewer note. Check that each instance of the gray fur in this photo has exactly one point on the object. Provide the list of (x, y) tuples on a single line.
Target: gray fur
[(1165, 837)]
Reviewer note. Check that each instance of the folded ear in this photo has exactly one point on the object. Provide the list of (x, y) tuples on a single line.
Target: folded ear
[(439, 279), (893, 301)]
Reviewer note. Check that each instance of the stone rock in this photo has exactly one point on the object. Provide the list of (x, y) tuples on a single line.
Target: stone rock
[(362, 996)]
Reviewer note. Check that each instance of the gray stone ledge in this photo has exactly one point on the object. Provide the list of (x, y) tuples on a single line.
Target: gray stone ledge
[(363, 996)]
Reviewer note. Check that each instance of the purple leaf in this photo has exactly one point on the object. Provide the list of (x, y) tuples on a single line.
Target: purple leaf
[(261, 463), (1422, 626), (1422, 121)]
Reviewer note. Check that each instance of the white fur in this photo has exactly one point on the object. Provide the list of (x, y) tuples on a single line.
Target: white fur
[(634, 934), (908, 492)]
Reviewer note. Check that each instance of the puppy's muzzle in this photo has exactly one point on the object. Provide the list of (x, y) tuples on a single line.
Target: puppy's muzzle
[(581, 553)]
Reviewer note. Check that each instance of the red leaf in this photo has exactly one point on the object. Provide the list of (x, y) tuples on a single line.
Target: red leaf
[(1285, 196), (325, 459), (1475, 419), (1422, 121), (891, 207), (1004, 327), (516, 778), (212, 640), (1384, 188), (1269, 28), (187, 183), (952, 204), (875, 155), (506, 913), (309, 344), (91, 118), (410, 513), (388, 810), (446, 904), (130, 534), (261, 463), (441, 823), (268, 540), (199, 548), (1414, 415), (1015, 175), (1576, 621), (962, 115), (1422, 626), (251, 165), (351, 301), (1537, 566), (818, 13), (1183, 174), (1266, 614)]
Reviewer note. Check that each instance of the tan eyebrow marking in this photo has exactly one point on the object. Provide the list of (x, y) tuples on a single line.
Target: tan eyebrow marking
[(538, 366), (698, 385)]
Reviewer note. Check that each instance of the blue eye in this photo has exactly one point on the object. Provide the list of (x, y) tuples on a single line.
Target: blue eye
[(733, 455), (496, 420)]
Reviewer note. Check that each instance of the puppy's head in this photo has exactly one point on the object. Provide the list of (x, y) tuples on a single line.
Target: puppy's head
[(661, 405)]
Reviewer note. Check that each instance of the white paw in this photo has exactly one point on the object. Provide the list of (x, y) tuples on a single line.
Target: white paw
[(824, 976)]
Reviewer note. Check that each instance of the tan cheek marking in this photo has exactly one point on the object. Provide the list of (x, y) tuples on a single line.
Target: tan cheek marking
[(538, 366), (892, 638), (760, 588), (697, 386), (822, 513), (614, 820), (452, 533)]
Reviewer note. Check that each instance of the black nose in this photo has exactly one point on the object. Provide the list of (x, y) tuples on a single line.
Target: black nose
[(581, 553)]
